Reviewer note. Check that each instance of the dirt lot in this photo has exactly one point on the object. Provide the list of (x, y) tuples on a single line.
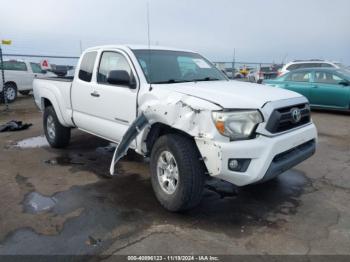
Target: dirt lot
[(305, 211)]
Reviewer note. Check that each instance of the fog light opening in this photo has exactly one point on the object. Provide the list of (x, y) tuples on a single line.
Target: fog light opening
[(238, 165)]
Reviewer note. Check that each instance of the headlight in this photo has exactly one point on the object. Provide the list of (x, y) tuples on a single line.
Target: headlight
[(238, 124)]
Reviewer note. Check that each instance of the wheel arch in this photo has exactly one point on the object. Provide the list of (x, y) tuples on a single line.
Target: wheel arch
[(157, 130), (47, 101), (11, 82)]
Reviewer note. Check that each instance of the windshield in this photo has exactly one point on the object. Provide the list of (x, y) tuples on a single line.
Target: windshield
[(344, 74), (163, 66)]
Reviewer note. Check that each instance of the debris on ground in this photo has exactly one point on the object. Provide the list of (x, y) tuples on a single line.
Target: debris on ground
[(93, 241), (14, 125), (35, 203)]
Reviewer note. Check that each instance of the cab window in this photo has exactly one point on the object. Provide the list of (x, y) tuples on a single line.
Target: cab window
[(36, 68), (112, 61), (299, 77), (87, 66), (15, 66), (327, 78)]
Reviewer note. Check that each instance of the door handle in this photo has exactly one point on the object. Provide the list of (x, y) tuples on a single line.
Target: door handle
[(95, 94), (314, 86)]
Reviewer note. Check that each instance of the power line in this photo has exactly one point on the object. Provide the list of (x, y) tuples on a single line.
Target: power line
[(44, 56)]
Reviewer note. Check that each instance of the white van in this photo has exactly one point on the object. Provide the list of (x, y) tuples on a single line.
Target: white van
[(19, 76)]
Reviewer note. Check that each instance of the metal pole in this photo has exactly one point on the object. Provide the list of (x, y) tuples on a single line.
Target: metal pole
[(234, 63), (4, 91)]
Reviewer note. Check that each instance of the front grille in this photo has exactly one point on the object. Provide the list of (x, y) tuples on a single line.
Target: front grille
[(282, 120)]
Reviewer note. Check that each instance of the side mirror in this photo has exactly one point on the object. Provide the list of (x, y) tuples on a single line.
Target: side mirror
[(120, 77), (344, 83)]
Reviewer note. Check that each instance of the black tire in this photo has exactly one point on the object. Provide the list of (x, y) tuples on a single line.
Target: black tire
[(61, 133), (10, 87), (24, 92), (191, 173)]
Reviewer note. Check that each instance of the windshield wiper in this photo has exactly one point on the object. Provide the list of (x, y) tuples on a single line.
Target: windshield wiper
[(173, 81), (205, 79), (170, 81)]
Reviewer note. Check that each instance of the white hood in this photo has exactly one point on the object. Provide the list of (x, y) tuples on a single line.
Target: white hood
[(232, 94)]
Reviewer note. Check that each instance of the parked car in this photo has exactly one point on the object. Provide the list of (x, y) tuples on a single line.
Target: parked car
[(179, 109), (19, 77), (257, 75), (327, 88), (312, 63)]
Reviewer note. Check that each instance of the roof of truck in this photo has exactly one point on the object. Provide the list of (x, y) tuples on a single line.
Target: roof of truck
[(137, 47)]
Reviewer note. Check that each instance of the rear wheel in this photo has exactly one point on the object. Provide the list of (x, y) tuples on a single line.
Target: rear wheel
[(56, 134), (177, 173)]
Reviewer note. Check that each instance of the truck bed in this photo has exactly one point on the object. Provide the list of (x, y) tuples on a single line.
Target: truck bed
[(59, 78)]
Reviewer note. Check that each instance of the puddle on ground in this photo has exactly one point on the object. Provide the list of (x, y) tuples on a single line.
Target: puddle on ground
[(222, 188), (33, 142), (125, 205), (36, 203), (106, 149), (63, 161)]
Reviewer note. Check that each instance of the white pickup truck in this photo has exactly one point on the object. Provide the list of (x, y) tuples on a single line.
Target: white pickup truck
[(176, 107), (19, 76)]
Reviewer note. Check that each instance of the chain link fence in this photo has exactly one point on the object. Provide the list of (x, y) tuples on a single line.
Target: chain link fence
[(249, 71)]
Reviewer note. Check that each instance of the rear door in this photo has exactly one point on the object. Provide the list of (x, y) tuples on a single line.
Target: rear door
[(81, 93), (299, 81), (327, 91)]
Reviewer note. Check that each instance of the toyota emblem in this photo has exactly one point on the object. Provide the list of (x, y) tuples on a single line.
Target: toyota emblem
[(296, 114)]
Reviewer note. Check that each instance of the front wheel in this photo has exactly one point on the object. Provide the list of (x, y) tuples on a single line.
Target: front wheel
[(56, 134), (177, 173), (10, 93)]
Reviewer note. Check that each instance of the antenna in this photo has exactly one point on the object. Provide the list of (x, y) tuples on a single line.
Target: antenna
[(149, 47), (148, 28)]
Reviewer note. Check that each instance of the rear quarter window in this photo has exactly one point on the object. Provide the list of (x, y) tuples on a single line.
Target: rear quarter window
[(326, 65), (292, 67), (307, 65), (87, 66)]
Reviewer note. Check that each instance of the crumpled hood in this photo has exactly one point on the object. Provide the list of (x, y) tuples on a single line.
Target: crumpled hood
[(232, 94)]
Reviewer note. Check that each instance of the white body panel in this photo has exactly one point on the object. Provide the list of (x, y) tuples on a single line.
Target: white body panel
[(185, 106), (308, 63), (23, 79)]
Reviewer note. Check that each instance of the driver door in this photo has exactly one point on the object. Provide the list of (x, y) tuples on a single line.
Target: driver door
[(115, 105)]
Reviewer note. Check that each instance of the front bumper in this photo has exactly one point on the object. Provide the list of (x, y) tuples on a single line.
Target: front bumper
[(269, 156)]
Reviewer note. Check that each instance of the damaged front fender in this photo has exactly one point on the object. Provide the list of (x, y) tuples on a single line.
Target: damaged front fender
[(135, 128), (182, 112)]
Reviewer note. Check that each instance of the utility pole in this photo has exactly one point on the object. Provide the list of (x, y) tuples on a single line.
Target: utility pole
[(4, 91)]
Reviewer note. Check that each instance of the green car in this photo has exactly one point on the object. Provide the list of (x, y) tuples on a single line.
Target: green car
[(327, 88)]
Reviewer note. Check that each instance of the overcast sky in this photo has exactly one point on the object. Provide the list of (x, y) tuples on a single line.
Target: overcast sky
[(260, 31)]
